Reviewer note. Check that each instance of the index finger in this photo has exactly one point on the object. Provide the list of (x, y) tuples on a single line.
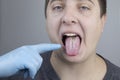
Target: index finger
[(41, 48)]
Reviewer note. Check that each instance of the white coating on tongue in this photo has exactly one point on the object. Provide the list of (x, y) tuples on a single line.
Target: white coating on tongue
[(72, 45)]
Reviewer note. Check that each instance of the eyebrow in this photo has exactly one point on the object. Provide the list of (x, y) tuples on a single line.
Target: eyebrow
[(88, 0), (54, 0), (78, 0)]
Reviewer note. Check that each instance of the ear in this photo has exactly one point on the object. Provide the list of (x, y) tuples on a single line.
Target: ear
[(103, 18)]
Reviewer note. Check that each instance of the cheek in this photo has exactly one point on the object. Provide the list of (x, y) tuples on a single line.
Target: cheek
[(53, 29), (53, 23), (52, 26), (93, 30)]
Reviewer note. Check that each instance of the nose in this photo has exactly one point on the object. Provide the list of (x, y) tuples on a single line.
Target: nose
[(69, 18)]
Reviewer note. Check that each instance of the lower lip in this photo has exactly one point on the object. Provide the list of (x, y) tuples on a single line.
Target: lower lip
[(72, 55)]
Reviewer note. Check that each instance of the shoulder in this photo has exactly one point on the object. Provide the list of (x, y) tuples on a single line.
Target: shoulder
[(46, 72), (113, 71), (44, 69)]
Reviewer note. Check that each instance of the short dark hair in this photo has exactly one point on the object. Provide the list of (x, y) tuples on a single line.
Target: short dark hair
[(102, 3), (103, 7)]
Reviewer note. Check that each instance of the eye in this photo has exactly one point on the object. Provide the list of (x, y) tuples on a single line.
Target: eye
[(85, 8), (58, 8)]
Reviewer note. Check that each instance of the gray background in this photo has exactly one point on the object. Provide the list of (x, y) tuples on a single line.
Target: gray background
[(22, 22)]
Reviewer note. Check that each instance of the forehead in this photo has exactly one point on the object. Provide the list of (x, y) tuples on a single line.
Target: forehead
[(94, 2), (73, 0)]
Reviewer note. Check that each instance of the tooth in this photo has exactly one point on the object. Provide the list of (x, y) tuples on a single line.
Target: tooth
[(70, 34)]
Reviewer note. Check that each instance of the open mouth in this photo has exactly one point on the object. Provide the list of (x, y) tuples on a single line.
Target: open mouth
[(71, 42)]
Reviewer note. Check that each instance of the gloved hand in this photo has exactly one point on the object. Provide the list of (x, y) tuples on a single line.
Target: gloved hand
[(26, 57)]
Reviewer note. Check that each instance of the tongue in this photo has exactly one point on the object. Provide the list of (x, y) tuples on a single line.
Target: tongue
[(72, 45)]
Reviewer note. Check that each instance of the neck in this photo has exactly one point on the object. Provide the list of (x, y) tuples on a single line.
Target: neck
[(70, 71)]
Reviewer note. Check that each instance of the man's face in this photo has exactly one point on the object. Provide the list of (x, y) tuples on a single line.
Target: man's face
[(75, 24)]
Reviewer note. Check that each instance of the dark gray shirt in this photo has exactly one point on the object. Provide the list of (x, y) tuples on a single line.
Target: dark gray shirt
[(47, 72)]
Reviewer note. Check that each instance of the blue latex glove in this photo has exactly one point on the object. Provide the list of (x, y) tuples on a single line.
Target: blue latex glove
[(26, 57)]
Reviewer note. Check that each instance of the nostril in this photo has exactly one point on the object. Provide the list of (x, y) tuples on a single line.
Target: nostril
[(69, 22), (63, 21), (73, 22)]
